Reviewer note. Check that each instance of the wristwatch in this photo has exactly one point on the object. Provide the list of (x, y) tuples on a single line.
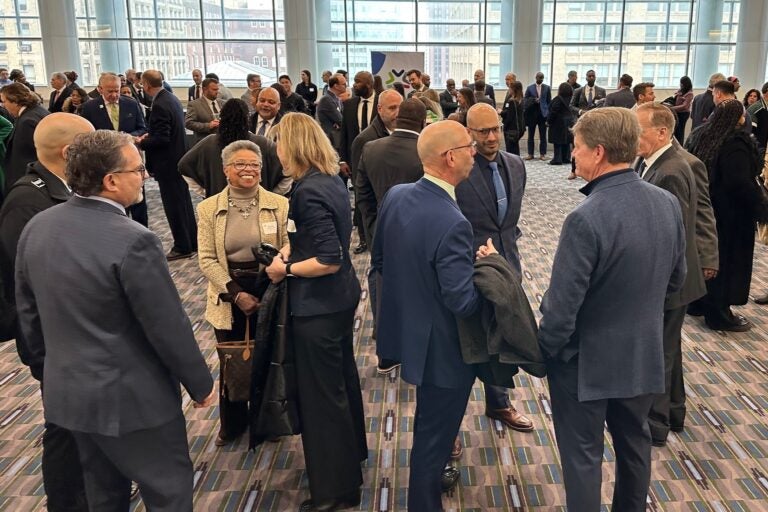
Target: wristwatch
[(288, 270)]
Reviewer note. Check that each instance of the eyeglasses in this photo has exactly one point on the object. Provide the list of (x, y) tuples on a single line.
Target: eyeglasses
[(241, 166), (472, 145), (487, 131), (140, 169)]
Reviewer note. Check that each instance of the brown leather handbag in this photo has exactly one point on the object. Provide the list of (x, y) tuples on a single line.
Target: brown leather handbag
[(235, 357)]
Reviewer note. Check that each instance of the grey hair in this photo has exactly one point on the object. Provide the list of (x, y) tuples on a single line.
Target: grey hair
[(107, 76), (234, 147), (59, 75), (660, 115), (93, 155), (614, 128), (717, 77)]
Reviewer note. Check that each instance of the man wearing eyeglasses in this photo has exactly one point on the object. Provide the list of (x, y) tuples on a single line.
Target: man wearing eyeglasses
[(43, 186), (423, 250), (497, 178)]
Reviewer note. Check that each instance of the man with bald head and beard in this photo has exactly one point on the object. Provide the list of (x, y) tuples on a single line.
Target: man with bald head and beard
[(357, 114), (40, 188), (423, 250)]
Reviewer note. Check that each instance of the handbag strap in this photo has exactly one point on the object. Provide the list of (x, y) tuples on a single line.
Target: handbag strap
[(247, 349)]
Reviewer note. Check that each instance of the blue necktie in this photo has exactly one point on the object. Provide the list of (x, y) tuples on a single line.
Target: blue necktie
[(501, 194)]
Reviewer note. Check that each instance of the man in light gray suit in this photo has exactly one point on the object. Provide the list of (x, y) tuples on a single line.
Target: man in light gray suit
[(202, 115), (663, 166), (111, 335), (621, 251)]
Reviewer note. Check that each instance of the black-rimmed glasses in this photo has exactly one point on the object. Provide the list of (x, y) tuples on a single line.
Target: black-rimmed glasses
[(487, 131), (140, 169)]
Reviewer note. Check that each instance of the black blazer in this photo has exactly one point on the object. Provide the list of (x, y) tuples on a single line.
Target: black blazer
[(56, 106), (350, 128), (320, 225), (166, 143), (20, 146)]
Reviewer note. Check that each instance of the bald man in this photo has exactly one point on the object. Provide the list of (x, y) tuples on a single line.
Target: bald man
[(267, 112), (423, 250), (43, 185)]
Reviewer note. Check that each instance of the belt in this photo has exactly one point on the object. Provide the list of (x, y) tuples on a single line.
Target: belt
[(244, 272)]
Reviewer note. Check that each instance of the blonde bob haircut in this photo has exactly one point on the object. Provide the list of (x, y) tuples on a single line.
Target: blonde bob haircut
[(304, 146)]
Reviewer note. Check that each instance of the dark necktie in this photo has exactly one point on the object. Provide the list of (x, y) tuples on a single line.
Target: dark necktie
[(263, 128), (197, 91), (213, 107), (364, 117), (589, 97), (501, 194), (641, 168)]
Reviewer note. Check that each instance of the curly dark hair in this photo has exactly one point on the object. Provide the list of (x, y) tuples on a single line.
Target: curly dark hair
[(233, 122), (706, 141), (746, 97)]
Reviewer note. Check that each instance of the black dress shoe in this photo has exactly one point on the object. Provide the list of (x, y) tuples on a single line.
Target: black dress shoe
[(174, 255), (554, 162), (361, 248), (659, 443), (761, 300), (695, 309), (350, 500), (449, 478), (736, 323)]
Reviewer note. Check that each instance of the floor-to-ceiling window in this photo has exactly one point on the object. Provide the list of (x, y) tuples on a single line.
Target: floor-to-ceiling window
[(653, 41), (21, 46)]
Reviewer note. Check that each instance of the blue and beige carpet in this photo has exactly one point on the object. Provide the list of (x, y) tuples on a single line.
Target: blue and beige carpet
[(719, 463)]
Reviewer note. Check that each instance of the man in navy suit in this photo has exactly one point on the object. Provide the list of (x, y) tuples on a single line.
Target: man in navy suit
[(111, 111), (538, 97), (423, 250), (496, 177)]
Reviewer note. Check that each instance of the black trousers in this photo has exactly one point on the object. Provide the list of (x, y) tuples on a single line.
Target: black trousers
[(177, 205), (512, 143), (541, 122), (562, 153), (682, 119), (668, 408), (156, 458), (579, 433), (330, 404), (62, 472)]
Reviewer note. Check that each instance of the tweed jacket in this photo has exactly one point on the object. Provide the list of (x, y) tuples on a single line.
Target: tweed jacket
[(212, 256)]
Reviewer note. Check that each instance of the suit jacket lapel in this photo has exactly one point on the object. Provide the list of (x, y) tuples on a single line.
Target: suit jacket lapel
[(480, 186)]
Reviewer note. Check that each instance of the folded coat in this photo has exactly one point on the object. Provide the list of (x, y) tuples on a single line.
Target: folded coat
[(501, 335)]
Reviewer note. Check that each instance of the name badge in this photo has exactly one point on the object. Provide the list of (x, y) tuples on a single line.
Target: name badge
[(506, 105), (311, 89), (269, 228), (291, 226)]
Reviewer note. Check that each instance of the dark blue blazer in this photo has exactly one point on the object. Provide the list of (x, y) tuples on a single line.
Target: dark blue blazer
[(423, 250), (320, 225), (131, 118), (166, 143), (478, 204), (544, 101)]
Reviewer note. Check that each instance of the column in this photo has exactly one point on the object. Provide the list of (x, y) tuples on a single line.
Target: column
[(300, 38), (112, 21), (59, 31), (751, 45), (323, 27), (505, 49), (527, 28), (709, 24)]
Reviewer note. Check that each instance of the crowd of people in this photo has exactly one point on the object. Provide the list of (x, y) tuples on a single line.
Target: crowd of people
[(438, 183)]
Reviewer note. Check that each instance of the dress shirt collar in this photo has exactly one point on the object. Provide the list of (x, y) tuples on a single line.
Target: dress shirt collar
[(21, 111), (589, 187), (117, 205), (449, 189), (406, 131), (484, 163), (655, 156)]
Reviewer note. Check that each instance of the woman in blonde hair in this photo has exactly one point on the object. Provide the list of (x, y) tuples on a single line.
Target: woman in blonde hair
[(323, 293)]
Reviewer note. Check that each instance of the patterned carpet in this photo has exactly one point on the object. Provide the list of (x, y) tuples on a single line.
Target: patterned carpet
[(720, 462)]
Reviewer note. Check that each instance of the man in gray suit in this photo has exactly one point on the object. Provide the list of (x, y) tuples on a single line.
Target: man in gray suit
[(621, 251), (112, 335), (623, 97), (202, 115), (663, 166), (329, 109)]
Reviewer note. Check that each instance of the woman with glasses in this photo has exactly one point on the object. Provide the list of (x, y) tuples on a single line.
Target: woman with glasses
[(230, 224), (323, 293)]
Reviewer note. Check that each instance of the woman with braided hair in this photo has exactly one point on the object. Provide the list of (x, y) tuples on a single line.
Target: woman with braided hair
[(733, 163)]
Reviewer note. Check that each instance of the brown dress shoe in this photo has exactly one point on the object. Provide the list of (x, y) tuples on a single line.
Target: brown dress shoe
[(458, 449), (511, 418), (529, 157)]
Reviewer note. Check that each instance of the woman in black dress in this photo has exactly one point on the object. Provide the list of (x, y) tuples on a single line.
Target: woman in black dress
[(512, 117), (560, 120), (307, 90)]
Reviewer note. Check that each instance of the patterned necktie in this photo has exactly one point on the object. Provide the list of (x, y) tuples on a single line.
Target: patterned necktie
[(589, 97), (501, 194), (114, 116), (364, 117), (213, 107), (263, 128)]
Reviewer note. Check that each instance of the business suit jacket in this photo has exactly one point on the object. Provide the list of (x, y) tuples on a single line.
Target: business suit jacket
[(491, 94), (329, 116), (579, 100), (478, 204), (384, 163), (115, 351), (544, 101), (130, 116), (199, 114), (448, 103), (423, 250), (166, 142), (671, 172), (706, 229), (621, 98), (350, 128), (702, 107), (191, 92), (375, 130), (20, 146), (55, 106), (621, 251)]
